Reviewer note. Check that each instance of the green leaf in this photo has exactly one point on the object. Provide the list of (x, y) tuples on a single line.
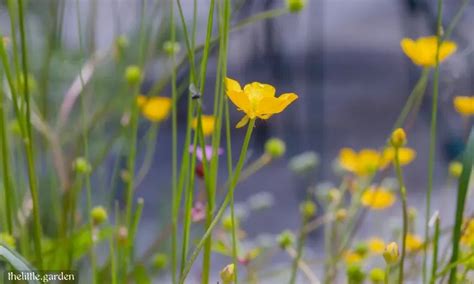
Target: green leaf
[(16, 260), (140, 274)]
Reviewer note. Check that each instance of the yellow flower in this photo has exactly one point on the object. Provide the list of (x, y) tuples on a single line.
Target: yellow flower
[(155, 109), (208, 123), (464, 105), (467, 237), (363, 163), (257, 100), (376, 245), (423, 50), (351, 257), (413, 243), (378, 198), (391, 253), (398, 138), (405, 154)]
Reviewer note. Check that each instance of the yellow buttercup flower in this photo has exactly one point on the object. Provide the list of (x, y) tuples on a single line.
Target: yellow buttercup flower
[(257, 100), (413, 243), (423, 50), (464, 105), (155, 109), (376, 245), (377, 198), (208, 123), (363, 163), (351, 257), (405, 155), (467, 237)]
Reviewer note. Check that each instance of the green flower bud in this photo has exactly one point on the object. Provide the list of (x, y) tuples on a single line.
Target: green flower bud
[(7, 239), (391, 253), (275, 147), (286, 239), (455, 169), (228, 274), (171, 47), (82, 166), (99, 215), (160, 261), (308, 209), (133, 75), (295, 6), (355, 274), (227, 223), (361, 249), (377, 275), (341, 215)]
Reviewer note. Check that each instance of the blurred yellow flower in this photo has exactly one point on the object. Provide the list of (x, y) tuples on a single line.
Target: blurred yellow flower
[(257, 100), (423, 50), (155, 109), (363, 163), (208, 124), (376, 245), (351, 257), (413, 243), (464, 105), (378, 198), (467, 237), (405, 154)]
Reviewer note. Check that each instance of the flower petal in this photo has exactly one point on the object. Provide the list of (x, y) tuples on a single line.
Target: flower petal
[(243, 122), (259, 90), (232, 85), (272, 105)]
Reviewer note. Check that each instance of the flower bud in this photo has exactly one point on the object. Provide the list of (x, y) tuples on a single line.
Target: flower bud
[(455, 169), (304, 162), (295, 6), (7, 239), (227, 223), (377, 275), (355, 274), (133, 75), (82, 166), (228, 274), (160, 261), (341, 215), (171, 47), (99, 215), (398, 138), (361, 249), (121, 43), (391, 253), (275, 147), (334, 195), (286, 239), (308, 209)]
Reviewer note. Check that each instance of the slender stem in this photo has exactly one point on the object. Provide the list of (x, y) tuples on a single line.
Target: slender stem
[(433, 131), (387, 274), (434, 266), (29, 142), (403, 197), (299, 251)]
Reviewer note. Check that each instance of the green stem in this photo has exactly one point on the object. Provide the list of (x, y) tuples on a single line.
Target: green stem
[(299, 251), (403, 197), (387, 274), (433, 130), (434, 266)]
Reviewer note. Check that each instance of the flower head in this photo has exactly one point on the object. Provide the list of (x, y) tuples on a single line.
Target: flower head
[(377, 275), (295, 6), (378, 198), (208, 123), (351, 257), (464, 105), (228, 274), (275, 147), (398, 138), (391, 253), (423, 50), (376, 245), (286, 239), (133, 75), (467, 237), (405, 155), (99, 215), (198, 212), (455, 169), (155, 109), (362, 163), (257, 100), (208, 152), (413, 242)]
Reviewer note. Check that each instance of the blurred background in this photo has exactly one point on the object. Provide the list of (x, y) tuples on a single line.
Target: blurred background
[(342, 57)]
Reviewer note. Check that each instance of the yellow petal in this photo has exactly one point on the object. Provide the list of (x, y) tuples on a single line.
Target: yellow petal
[(156, 109), (348, 159), (413, 242), (242, 122), (376, 245), (207, 124), (241, 100), (141, 100), (378, 198), (405, 154), (464, 105), (409, 47), (232, 85), (272, 105), (446, 49), (258, 90)]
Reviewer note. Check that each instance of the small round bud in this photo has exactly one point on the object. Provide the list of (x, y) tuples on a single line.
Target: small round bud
[(295, 6), (133, 75), (171, 47), (455, 169), (160, 261), (361, 249), (334, 195), (341, 215), (122, 236), (391, 253), (82, 166), (377, 275), (7, 239), (304, 162), (308, 209), (227, 223), (355, 274), (398, 138), (286, 239), (275, 147), (99, 215), (228, 274)]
